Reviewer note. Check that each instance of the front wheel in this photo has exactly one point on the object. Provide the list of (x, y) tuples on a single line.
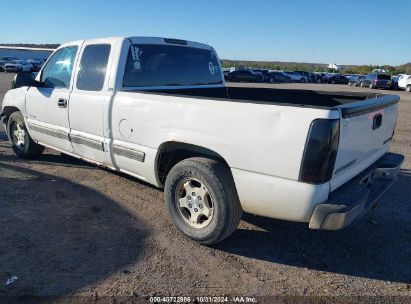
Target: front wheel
[(202, 200), (20, 140)]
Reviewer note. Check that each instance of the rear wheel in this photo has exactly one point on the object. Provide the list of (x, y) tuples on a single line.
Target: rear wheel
[(20, 140), (371, 85), (202, 200), (408, 88)]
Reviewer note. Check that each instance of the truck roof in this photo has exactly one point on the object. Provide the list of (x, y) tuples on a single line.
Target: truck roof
[(144, 40)]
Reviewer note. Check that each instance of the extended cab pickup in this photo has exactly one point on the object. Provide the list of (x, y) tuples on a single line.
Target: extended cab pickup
[(158, 109)]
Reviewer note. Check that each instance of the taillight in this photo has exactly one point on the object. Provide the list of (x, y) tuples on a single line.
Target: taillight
[(320, 151)]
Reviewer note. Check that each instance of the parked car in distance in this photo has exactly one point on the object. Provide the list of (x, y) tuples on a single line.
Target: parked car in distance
[(394, 82), (4, 60), (355, 80), (18, 66), (326, 76), (158, 109), (318, 77), (37, 64), (296, 77), (338, 79), (245, 76), (225, 73), (264, 72), (308, 75), (274, 76), (376, 81), (404, 82)]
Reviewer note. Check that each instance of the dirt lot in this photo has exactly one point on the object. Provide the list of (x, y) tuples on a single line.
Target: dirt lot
[(71, 231)]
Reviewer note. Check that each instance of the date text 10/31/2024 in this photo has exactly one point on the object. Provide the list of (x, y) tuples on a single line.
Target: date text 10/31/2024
[(223, 299)]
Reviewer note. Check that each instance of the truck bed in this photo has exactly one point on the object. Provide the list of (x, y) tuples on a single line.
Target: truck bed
[(302, 98)]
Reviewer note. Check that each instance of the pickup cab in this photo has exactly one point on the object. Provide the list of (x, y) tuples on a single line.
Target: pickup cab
[(158, 109)]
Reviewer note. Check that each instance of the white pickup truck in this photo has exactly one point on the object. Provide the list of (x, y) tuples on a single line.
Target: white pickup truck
[(404, 82), (158, 109)]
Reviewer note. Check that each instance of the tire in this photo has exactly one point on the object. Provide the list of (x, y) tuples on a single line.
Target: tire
[(303, 80), (408, 88), (333, 82), (371, 86), (362, 84), (20, 140), (214, 194), (271, 80)]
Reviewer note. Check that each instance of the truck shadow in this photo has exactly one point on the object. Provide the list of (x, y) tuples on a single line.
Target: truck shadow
[(377, 246), (58, 236)]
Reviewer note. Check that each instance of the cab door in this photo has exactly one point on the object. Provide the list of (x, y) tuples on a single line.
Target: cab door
[(89, 102), (47, 104)]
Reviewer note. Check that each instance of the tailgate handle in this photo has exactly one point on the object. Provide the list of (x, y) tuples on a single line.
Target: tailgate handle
[(377, 121)]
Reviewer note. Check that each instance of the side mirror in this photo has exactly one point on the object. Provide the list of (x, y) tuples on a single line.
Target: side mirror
[(23, 79)]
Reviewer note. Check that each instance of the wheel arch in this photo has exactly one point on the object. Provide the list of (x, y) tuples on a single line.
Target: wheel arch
[(7, 111), (172, 152)]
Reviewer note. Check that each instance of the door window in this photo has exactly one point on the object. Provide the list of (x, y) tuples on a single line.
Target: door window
[(93, 66), (58, 70)]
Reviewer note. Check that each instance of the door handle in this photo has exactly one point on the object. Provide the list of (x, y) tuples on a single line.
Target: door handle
[(62, 103)]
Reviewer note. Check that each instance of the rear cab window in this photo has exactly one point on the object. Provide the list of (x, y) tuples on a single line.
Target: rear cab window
[(151, 65), (93, 66)]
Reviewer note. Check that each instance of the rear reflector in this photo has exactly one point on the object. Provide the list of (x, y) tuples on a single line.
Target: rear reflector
[(320, 151)]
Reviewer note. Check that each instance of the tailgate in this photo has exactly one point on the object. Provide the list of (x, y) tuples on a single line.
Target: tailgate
[(366, 128)]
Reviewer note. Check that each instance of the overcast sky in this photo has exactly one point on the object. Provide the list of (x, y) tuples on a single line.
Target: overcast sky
[(344, 32)]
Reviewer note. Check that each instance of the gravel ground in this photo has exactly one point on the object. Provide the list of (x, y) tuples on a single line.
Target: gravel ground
[(73, 232)]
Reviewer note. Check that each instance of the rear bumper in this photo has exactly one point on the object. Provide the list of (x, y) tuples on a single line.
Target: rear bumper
[(358, 195)]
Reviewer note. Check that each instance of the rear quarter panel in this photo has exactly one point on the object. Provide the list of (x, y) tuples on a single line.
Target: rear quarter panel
[(263, 138)]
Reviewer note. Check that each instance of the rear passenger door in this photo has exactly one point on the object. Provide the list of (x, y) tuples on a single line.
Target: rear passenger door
[(89, 102)]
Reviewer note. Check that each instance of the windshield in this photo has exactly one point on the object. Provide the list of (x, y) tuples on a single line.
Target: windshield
[(151, 65)]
